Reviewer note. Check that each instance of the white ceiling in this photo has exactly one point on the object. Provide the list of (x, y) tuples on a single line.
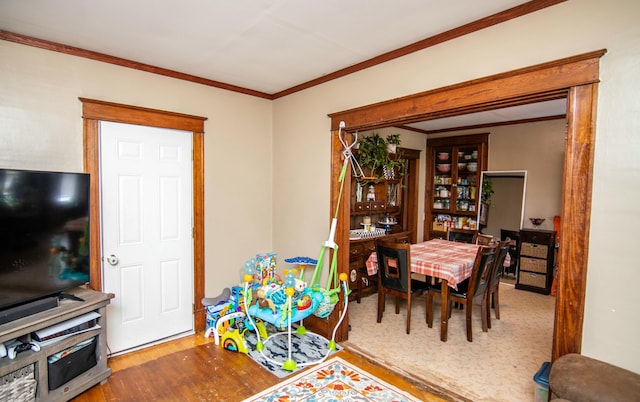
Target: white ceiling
[(262, 45), (509, 114)]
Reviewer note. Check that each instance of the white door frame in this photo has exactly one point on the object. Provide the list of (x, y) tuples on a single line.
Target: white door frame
[(94, 111)]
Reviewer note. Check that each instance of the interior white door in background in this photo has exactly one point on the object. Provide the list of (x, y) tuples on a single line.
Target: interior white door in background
[(147, 245)]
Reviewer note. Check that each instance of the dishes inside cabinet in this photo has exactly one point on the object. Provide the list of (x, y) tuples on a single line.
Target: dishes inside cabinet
[(444, 167)]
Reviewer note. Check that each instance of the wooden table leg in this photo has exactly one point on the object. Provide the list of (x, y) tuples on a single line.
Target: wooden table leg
[(444, 309)]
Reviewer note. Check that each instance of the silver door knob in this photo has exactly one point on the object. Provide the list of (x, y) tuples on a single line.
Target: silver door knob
[(112, 259)]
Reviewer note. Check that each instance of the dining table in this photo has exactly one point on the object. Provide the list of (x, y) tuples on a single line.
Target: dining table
[(451, 262)]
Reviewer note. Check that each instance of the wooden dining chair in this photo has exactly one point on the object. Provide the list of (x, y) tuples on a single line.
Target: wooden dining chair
[(394, 277), (484, 239), (462, 235), (469, 291), (493, 293)]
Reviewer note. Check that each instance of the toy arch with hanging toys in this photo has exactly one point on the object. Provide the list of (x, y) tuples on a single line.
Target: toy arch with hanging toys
[(317, 300), (283, 313)]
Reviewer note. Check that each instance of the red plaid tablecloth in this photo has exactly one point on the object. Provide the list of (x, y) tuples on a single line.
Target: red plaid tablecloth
[(452, 261)]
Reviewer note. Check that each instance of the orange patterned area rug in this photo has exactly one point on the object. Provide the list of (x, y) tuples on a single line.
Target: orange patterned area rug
[(332, 380)]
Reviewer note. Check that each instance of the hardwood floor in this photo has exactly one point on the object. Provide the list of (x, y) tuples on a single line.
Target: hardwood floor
[(198, 370)]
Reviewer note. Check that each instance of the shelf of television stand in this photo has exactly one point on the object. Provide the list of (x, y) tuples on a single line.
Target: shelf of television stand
[(66, 310)]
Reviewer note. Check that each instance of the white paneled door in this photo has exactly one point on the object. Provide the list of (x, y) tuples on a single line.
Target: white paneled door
[(147, 250)]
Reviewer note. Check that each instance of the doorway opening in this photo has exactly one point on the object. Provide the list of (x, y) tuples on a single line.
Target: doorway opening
[(574, 78)]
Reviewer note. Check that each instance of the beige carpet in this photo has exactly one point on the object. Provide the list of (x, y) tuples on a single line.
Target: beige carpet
[(498, 365)]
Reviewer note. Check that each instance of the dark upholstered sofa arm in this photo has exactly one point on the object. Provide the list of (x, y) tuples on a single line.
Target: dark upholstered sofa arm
[(578, 378)]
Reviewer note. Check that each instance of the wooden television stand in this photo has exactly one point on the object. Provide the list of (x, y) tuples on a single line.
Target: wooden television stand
[(67, 309)]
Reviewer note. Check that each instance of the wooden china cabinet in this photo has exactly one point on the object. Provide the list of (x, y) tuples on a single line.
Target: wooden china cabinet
[(389, 204), (454, 165)]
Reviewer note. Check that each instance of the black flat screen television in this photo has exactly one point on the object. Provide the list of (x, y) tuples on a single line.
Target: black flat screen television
[(44, 234)]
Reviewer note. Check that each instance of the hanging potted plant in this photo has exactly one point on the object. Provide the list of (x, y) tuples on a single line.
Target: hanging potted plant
[(393, 140), (372, 155), (395, 164), (375, 158)]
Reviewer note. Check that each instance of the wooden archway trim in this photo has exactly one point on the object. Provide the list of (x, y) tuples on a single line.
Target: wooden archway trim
[(94, 111), (547, 81), (576, 79)]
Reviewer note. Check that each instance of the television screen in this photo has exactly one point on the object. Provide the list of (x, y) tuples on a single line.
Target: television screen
[(44, 234)]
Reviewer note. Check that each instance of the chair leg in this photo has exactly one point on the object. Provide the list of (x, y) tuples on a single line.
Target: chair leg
[(429, 302), (408, 314), (496, 302), (397, 305), (468, 322), (381, 304), (486, 302), (485, 311)]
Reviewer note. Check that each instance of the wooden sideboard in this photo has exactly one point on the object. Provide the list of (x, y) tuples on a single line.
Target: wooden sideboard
[(537, 252)]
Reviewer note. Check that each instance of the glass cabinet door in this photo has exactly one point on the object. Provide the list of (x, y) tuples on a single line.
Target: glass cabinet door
[(466, 179), (443, 179)]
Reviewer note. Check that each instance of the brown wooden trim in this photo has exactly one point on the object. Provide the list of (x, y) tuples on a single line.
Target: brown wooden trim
[(91, 145), (94, 111), (578, 80), (498, 18), (109, 111), (198, 230), (105, 58), (547, 81), (466, 29), (480, 138), (576, 219), (411, 186), (342, 228)]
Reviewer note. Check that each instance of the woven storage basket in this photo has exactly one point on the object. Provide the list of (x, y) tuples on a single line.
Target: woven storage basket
[(534, 250), (533, 264), (531, 279), (18, 386)]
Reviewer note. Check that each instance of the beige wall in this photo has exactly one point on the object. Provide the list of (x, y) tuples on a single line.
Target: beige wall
[(267, 163), (505, 211), (41, 128), (537, 148), (611, 328)]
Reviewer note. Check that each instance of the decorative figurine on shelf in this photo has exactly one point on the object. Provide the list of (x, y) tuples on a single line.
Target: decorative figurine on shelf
[(371, 195)]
